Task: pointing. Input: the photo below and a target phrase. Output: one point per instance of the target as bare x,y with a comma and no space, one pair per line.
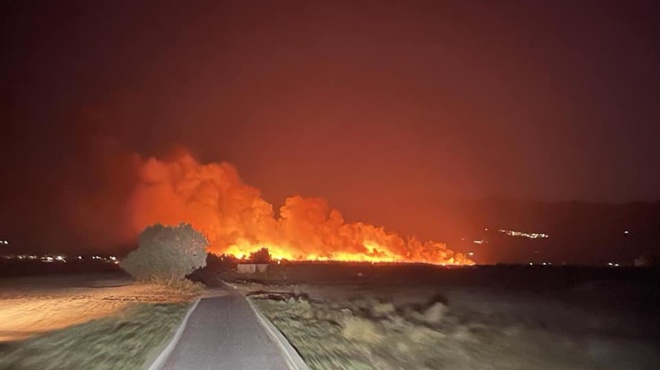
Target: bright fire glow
238,222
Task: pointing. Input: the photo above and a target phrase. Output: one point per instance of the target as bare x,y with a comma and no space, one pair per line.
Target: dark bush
260,256
166,253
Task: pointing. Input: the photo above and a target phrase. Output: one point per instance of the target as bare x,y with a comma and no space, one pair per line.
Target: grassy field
365,317
102,321
128,340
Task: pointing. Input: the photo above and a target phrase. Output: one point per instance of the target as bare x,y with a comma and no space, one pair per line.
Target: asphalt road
223,333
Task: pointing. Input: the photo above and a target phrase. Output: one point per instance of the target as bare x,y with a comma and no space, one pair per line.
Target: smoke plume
213,198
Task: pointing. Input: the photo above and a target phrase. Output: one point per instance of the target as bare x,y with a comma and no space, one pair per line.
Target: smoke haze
237,220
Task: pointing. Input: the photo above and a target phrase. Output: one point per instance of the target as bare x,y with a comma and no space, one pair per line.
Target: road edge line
291,356
159,362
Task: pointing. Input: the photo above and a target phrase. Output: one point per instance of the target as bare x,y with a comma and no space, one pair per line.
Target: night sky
385,108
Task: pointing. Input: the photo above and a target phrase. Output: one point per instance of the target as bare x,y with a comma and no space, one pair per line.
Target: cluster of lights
56,258
524,235
542,263
111,259
613,264
4,242
20,257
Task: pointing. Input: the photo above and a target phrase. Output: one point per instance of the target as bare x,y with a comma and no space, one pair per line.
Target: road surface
224,333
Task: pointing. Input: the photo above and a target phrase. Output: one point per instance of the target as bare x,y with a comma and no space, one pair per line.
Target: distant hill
579,232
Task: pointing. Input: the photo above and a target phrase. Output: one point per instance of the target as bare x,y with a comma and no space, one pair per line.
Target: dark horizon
388,111
580,233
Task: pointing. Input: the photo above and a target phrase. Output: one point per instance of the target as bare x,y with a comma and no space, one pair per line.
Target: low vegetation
364,333
428,332
93,321
129,340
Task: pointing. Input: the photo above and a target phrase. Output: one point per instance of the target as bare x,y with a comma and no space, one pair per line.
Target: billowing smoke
213,198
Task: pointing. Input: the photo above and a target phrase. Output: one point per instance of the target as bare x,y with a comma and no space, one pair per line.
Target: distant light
609,264
524,234
544,263
113,258
486,229
531,264
616,265
80,257
470,253
626,232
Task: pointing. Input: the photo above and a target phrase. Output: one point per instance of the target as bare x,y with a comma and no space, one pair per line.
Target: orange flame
237,221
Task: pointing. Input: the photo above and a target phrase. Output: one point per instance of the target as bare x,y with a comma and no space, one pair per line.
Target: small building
251,268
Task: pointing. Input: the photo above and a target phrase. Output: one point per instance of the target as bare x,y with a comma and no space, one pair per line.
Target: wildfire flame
237,221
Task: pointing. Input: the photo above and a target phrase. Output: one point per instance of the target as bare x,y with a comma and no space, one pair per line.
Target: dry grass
32,306
128,340
331,330
87,321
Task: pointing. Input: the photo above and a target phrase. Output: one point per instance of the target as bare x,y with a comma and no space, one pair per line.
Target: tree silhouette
167,253
260,256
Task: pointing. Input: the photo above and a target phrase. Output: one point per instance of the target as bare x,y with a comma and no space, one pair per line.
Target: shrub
260,256
166,253
217,263
361,330
213,262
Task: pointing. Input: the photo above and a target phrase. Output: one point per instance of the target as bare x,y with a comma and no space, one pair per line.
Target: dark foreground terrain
363,316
